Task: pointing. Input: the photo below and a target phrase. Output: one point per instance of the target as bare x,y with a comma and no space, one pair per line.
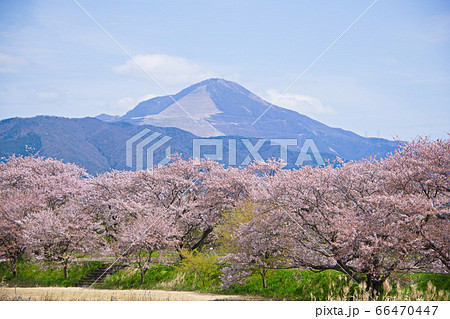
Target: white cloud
125,103
303,104
165,68
438,29
128,103
146,97
48,95
11,64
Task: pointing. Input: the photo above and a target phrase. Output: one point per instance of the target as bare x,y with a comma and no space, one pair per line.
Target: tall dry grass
345,292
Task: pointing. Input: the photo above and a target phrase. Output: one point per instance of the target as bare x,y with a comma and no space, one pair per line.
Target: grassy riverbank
281,284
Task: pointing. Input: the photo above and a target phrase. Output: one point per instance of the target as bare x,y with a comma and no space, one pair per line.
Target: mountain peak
215,81
219,83
212,81
218,107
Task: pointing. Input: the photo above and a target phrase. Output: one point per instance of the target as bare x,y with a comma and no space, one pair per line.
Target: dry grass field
84,294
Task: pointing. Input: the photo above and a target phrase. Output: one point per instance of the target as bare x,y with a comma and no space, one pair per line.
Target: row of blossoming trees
366,219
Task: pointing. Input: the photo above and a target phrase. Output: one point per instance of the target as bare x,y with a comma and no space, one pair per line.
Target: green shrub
203,268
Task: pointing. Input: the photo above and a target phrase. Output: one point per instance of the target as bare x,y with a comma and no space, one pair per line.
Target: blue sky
388,76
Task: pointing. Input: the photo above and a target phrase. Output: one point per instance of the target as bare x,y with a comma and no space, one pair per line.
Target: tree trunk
201,277
143,271
201,241
11,263
14,269
374,285
263,277
66,271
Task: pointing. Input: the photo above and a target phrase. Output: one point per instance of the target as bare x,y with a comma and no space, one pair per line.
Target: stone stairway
98,275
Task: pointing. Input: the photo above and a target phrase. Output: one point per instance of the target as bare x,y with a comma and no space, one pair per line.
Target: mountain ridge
217,107
224,112
101,146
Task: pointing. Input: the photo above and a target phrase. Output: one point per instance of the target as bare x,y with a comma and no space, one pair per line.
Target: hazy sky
389,75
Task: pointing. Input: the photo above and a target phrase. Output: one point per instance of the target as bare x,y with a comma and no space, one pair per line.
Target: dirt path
67,294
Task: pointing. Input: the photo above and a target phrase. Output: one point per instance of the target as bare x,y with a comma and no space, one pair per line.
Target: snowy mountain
217,107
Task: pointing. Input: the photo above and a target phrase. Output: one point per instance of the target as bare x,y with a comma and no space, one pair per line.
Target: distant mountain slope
88,142
217,107
99,146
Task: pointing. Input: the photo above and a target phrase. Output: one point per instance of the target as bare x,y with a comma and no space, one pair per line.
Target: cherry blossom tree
107,201
366,219
419,172
252,231
13,209
58,235
369,219
342,218
31,184
254,240
207,191
135,210
140,236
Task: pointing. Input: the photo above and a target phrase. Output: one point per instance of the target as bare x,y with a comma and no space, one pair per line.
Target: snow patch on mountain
190,113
